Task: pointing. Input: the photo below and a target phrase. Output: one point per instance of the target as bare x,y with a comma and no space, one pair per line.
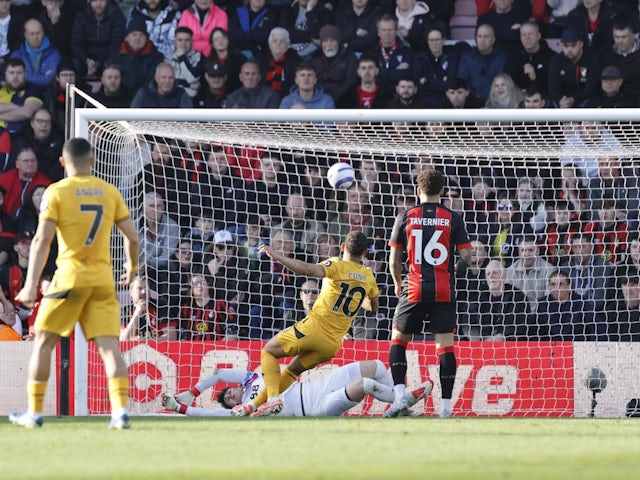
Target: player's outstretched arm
38,255
371,304
131,250
293,264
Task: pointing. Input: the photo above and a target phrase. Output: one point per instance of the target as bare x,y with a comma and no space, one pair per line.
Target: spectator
573,73
11,36
251,25
590,275
39,56
151,318
367,94
162,20
459,96
56,93
27,219
315,186
112,94
610,183
503,313
356,20
137,56
186,62
13,275
562,316
226,54
201,235
593,19
560,10
213,91
254,236
304,231
559,234
96,35
535,98
395,59
529,63
202,317
611,94
505,232
407,94
272,191
327,246
434,67
336,66
480,65
625,55
307,295
303,20
20,182
503,93
252,93
184,263
307,92
160,237
623,320
469,283
572,190
589,136
278,63
506,22
533,213
414,22
46,141
530,273
10,328
57,20
162,92
202,17
229,274
8,228
609,233
478,208
355,217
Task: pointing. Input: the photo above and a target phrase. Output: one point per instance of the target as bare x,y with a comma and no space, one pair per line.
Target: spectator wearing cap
250,27
394,58
19,182
252,93
186,62
303,20
222,51
97,33
162,92
434,66
407,94
611,94
307,93
625,54
202,17
482,63
213,91
40,57
56,94
162,20
459,96
336,66
574,73
137,56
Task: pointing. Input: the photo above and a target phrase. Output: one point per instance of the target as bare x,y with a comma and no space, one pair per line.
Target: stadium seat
464,19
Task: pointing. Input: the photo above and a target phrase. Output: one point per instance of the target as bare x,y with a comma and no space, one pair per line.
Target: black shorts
434,317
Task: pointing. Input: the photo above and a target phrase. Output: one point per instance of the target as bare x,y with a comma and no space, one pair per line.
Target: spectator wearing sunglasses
307,295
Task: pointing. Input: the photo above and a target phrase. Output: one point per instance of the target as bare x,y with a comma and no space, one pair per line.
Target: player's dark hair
77,148
431,181
220,397
356,243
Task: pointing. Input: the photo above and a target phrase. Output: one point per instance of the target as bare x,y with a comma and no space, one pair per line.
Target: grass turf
323,448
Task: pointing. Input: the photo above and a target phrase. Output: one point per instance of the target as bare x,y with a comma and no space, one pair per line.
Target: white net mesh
551,208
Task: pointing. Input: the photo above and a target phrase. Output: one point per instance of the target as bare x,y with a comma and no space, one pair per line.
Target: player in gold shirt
347,285
81,209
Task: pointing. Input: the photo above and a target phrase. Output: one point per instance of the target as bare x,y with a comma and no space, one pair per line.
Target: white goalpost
220,182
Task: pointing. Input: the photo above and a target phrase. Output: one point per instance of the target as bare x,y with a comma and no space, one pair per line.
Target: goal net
550,200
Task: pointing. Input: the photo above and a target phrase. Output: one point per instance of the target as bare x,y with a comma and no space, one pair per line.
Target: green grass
325,448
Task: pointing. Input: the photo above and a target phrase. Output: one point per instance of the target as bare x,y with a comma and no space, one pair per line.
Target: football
341,175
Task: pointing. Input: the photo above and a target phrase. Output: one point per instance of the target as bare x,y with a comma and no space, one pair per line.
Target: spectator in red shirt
609,233
20,181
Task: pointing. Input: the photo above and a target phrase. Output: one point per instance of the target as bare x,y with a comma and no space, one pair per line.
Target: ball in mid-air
341,175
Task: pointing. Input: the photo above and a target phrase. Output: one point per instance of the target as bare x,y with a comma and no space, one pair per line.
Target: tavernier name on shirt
430,222
89,192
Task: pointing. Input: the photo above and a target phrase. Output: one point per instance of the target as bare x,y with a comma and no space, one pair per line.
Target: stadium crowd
556,254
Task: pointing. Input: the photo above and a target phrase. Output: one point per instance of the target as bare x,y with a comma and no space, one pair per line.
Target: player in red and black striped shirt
429,234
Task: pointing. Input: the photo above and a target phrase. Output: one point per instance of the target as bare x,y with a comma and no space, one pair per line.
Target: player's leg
448,368
377,382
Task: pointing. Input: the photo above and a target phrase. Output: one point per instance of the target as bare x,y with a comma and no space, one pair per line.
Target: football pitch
323,448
